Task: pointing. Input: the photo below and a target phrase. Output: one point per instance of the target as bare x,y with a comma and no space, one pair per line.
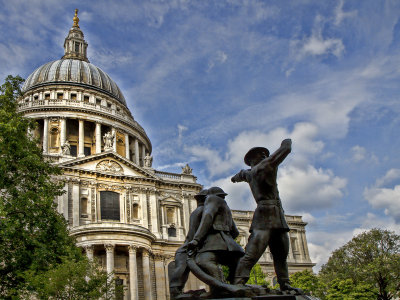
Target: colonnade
138,155
161,271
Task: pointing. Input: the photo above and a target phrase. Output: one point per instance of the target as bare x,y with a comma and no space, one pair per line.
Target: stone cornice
102,228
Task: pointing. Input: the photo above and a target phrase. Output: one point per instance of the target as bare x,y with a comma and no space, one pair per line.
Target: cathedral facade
121,211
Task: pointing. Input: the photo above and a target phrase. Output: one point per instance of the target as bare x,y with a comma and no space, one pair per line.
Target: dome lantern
75,46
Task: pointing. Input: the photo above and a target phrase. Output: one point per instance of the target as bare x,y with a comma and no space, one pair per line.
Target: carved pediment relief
109,166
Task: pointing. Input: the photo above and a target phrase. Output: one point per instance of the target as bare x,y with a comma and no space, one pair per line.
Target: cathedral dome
76,72
74,69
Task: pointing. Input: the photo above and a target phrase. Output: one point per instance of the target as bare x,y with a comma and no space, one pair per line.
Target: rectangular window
108,104
47,96
98,101
36,97
73,96
109,205
86,99
60,96
73,150
77,47
87,151
293,242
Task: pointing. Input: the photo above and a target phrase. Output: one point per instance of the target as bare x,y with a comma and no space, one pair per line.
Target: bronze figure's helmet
215,190
201,195
253,152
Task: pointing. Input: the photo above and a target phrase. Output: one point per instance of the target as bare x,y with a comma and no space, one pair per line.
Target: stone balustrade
91,107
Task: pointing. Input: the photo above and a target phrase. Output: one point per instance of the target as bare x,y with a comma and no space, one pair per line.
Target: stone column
300,245
114,133
133,280
89,252
166,262
179,224
146,275
46,135
63,133
290,255
98,138
303,244
76,212
110,257
143,153
81,143
137,161
127,156
160,277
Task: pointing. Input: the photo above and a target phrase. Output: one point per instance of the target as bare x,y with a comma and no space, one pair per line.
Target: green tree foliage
369,262
345,289
33,235
309,282
257,276
34,240
77,280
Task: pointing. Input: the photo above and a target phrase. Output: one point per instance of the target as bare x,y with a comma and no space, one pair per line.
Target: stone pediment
170,199
109,163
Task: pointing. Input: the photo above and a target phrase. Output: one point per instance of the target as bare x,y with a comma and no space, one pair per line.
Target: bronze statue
210,241
214,242
269,227
178,271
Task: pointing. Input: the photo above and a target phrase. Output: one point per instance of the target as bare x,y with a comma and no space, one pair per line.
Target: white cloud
304,146
220,58
386,198
340,15
321,244
239,195
316,44
302,186
389,177
371,220
169,166
181,130
359,153
310,188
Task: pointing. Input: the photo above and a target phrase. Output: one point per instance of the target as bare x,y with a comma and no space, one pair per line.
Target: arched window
109,206
172,231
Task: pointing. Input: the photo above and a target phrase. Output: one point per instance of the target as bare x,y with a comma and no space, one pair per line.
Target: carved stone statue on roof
187,170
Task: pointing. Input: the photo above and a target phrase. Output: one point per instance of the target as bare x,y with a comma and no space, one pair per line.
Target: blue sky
210,79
